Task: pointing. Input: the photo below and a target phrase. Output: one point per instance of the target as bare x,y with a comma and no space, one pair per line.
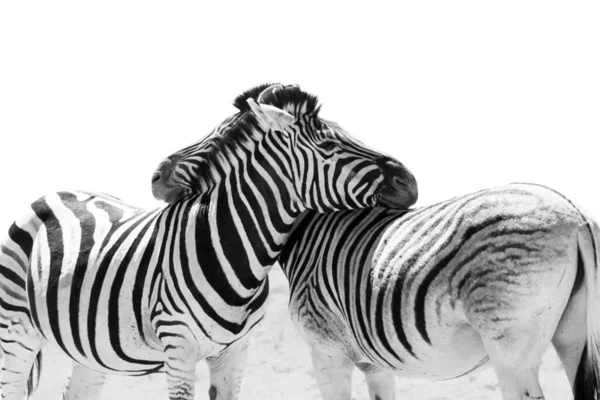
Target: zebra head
277,140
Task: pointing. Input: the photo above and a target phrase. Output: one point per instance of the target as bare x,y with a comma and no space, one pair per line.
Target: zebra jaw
162,191
171,196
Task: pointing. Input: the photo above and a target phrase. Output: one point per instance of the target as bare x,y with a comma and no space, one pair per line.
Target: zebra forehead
287,97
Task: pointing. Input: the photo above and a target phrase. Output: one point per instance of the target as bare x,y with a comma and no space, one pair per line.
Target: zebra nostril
399,182
155,177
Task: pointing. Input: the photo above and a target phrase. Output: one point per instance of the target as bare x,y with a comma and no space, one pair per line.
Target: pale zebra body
129,291
441,291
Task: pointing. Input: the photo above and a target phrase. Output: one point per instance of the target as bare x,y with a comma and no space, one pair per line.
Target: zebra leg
84,383
381,383
21,345
180,369
516,358
226,370
333,370
15,372
570,336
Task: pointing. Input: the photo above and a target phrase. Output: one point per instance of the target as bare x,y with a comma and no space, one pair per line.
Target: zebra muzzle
399,188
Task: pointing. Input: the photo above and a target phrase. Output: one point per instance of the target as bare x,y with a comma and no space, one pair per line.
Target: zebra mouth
399,195
399,188
395,202
174,196
166,193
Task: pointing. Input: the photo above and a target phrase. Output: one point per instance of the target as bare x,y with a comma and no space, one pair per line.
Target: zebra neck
248,225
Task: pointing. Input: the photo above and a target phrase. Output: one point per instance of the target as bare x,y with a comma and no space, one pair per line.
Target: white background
93,95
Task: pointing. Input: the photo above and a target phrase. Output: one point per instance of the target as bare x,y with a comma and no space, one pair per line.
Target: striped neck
251,211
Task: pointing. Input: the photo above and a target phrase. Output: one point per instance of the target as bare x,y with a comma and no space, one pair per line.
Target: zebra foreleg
333,370
226,370
21,345
516,361
15,372
84,383
381,383
180,368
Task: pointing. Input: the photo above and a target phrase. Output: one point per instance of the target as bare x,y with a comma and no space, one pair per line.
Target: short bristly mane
289,98
243,124
240,101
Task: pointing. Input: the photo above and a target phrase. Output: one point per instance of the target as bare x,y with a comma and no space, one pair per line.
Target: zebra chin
397,193
401,201
169,195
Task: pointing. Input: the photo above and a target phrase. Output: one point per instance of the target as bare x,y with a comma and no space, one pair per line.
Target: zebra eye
328,145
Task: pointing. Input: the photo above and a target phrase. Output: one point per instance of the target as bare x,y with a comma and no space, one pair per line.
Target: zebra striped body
437,292
161,274
129,291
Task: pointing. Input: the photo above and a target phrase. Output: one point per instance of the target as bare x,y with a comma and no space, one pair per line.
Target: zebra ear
270,117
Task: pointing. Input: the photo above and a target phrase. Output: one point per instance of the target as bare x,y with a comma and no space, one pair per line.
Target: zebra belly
460,352
93,345
109,363
456,349
132,356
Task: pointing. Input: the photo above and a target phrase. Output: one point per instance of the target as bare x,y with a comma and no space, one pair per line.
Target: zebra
488,278
123,290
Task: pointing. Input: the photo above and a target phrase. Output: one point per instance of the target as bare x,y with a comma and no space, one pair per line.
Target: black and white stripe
124,290
438,292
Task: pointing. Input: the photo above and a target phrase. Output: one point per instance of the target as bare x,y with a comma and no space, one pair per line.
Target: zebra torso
411,291
113,285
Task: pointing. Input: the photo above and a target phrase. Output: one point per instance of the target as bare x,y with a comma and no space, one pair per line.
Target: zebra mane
243,126
289,98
